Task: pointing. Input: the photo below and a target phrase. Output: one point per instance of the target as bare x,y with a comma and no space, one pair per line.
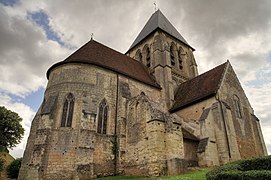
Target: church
145,113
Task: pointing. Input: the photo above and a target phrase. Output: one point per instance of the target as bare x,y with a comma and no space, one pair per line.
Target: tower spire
158,21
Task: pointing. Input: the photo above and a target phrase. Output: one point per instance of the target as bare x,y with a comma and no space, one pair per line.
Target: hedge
13,168
257,168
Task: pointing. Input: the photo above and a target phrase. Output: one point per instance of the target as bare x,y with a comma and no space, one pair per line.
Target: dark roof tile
198,88
98,54
158,21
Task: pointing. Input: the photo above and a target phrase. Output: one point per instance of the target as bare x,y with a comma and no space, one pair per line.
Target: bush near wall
257,168
13,168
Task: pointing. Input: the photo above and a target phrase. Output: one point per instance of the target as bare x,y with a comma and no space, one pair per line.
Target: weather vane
91,36
154,6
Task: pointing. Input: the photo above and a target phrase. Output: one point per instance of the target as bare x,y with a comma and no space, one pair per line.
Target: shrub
263,163
13,168
1,165
259,168
4,149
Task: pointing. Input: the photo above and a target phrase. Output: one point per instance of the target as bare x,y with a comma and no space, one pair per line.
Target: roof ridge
226,64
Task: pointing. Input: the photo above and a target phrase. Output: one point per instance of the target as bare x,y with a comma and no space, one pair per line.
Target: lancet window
172,57
237,106
138,55
102,117
148,57
67,113
180,57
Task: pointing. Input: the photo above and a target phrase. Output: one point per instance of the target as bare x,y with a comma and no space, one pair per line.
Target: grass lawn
198,174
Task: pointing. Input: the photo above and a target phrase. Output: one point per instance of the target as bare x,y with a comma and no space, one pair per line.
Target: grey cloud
25,54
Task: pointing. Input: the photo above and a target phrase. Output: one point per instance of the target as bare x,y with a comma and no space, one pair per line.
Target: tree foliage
13,168
11,130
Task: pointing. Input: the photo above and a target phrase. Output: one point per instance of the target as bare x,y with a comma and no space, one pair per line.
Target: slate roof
98,54
199,88
158,21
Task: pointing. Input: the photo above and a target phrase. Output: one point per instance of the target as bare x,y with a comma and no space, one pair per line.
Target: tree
13,168
11,131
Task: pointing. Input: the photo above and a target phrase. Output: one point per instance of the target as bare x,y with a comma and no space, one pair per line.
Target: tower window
172,57
67,114
148,58
102,117
180,58
237,106
138,55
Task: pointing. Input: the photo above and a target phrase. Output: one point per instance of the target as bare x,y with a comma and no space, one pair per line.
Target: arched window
148,57
138,55
237,106
172,57
180,57
102,117
67,113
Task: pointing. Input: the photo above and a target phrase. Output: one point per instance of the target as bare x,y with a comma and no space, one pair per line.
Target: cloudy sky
36,34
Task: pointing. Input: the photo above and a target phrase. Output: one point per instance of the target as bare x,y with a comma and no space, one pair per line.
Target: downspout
115,144
226,131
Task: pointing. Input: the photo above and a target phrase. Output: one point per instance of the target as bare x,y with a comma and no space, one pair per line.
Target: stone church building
144,113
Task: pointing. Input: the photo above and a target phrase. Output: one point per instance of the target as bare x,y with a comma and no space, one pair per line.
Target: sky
36,34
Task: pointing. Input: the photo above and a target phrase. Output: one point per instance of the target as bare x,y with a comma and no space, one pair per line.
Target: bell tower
167,55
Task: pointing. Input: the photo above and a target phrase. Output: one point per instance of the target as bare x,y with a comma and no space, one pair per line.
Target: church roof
158,21
199,88
100,55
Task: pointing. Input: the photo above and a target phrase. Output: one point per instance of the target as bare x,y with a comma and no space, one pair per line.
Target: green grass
199,174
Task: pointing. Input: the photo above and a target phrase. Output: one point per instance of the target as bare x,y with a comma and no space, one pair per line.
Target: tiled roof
98,54
198,88
158,21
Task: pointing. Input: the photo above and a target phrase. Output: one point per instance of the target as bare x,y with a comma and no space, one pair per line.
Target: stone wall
161,41
28,170
249,138
167,75
194,112
145,140
226,136
56,152
190,151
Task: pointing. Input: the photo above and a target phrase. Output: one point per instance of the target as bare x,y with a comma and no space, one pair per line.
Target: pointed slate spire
158,21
